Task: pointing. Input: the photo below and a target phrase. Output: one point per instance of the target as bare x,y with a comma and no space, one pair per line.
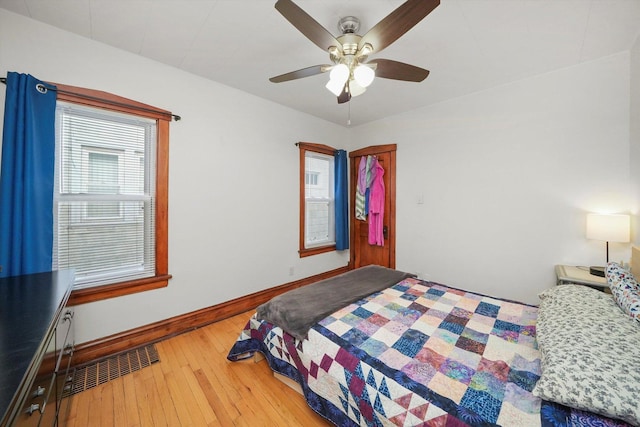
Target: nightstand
569,274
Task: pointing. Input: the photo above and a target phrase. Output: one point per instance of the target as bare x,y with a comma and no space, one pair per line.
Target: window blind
104,204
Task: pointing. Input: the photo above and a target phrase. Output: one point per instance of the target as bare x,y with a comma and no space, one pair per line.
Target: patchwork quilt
417,353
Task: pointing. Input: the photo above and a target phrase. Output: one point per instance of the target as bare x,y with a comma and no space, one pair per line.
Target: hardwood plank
95,406
72,413
119,403
130,400
181,401
198,396
181,393
142,399
153,397
195,385
106,395
214,399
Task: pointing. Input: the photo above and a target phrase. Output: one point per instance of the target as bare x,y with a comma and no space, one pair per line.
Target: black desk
30,307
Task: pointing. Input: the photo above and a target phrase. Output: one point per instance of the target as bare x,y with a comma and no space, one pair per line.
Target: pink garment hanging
376,206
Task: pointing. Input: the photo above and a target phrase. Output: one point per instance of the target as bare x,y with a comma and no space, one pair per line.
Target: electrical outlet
291,271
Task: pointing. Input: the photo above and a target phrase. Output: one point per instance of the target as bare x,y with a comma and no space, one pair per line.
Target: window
317,203
110,199
311,178
102,176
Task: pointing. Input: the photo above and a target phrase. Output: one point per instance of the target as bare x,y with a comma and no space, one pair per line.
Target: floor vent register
107,369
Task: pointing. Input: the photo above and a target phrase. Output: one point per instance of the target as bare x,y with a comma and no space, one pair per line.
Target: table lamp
608,228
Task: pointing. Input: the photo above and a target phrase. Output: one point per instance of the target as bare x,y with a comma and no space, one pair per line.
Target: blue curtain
342,201
26,176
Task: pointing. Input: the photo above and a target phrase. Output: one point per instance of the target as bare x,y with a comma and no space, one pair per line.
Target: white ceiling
468,45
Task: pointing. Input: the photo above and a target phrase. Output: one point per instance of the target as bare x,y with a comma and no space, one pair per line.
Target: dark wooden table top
29,306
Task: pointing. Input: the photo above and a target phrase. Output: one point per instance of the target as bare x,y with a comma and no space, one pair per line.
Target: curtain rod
174,116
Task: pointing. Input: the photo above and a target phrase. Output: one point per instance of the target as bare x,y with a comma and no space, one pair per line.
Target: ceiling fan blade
299,74
307,25
345,96
398,22
389,69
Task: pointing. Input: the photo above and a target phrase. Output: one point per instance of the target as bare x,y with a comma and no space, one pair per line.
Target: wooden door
362,253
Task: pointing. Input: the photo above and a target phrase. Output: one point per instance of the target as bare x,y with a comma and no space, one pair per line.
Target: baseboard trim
154,332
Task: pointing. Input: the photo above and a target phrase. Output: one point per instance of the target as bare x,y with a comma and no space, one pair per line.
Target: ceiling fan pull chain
349,117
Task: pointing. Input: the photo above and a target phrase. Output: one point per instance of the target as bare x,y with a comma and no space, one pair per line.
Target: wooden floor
195,385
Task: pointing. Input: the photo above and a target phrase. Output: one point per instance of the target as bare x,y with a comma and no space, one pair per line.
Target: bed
414,352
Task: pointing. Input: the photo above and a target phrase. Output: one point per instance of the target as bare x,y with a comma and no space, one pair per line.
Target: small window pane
319,211
103,179
102,250
311,178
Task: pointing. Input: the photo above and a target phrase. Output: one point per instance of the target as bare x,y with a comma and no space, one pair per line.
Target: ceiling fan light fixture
337,79
363,75
339,73
355,88
335,87
366,50
334,54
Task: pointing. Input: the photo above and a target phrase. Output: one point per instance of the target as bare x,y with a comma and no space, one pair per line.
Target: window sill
314,251
99,293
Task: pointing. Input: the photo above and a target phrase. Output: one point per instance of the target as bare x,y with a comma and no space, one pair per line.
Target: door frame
391,192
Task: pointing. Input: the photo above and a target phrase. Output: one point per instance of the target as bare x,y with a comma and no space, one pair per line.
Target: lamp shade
335,86
363,75
339,73
355,88
608,228
337,79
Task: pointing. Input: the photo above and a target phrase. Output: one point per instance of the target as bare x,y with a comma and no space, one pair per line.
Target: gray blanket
298,310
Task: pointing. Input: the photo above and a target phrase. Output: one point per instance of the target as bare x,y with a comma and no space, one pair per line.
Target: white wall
227,236
635,136
507,176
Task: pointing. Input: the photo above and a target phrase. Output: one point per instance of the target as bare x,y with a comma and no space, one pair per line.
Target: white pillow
590,353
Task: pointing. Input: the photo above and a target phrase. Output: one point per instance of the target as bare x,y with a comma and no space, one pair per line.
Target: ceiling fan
350,72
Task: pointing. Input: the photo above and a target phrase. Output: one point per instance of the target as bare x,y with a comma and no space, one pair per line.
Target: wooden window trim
317,148
107,101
